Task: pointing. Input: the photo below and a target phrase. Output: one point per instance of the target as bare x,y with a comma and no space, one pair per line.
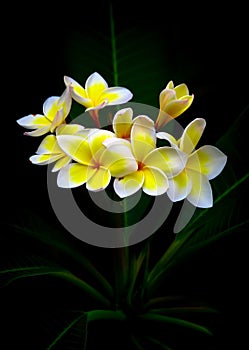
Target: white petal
76,147
118,157
192,135
179,187
116,95
129,184
44,159
168,137
143,137
99,180
69,129
77,91
122,122
61,163
38,132
168,159
49,145
208,160
50,107
95,85
72,175
201,193
155,181
32,121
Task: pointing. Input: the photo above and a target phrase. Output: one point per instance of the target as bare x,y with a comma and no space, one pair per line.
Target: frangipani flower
202,165
173,102
49,150
55,111
95,163
97,94
155,165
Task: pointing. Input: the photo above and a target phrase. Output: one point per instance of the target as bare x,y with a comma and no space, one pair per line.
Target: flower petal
38,132
166,96
95,141
143,137
179,187
72,175
181,90
69,129
208,160
32,121
118,158
201,193
116,95
76,147
49,145
168,137
65,102
177,107
129,184
122,122
50,107
95,85
100,180
155,181
61,163
77,91
44,159
192,135
170,160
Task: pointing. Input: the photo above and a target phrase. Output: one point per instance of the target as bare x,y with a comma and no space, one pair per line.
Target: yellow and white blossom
155,165
49,150
55,111
173,101
95,163
202,165
97,94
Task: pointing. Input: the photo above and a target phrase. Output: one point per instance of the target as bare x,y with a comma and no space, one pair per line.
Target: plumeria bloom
95,163
173,101
202,165
49,150
55,111
96,94
155,165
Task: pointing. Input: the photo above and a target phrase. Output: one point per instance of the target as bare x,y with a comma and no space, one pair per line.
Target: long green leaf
10,275
73,334
38,229
175,321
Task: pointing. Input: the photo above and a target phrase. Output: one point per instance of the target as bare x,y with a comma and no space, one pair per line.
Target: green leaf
10,275
38,229
70,331
154,317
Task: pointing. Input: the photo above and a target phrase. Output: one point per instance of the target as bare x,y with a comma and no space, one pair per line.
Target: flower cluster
129,153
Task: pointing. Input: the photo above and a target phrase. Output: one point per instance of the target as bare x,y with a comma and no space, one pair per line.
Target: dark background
203,46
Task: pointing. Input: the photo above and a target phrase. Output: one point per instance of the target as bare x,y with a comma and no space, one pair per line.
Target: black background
204,46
